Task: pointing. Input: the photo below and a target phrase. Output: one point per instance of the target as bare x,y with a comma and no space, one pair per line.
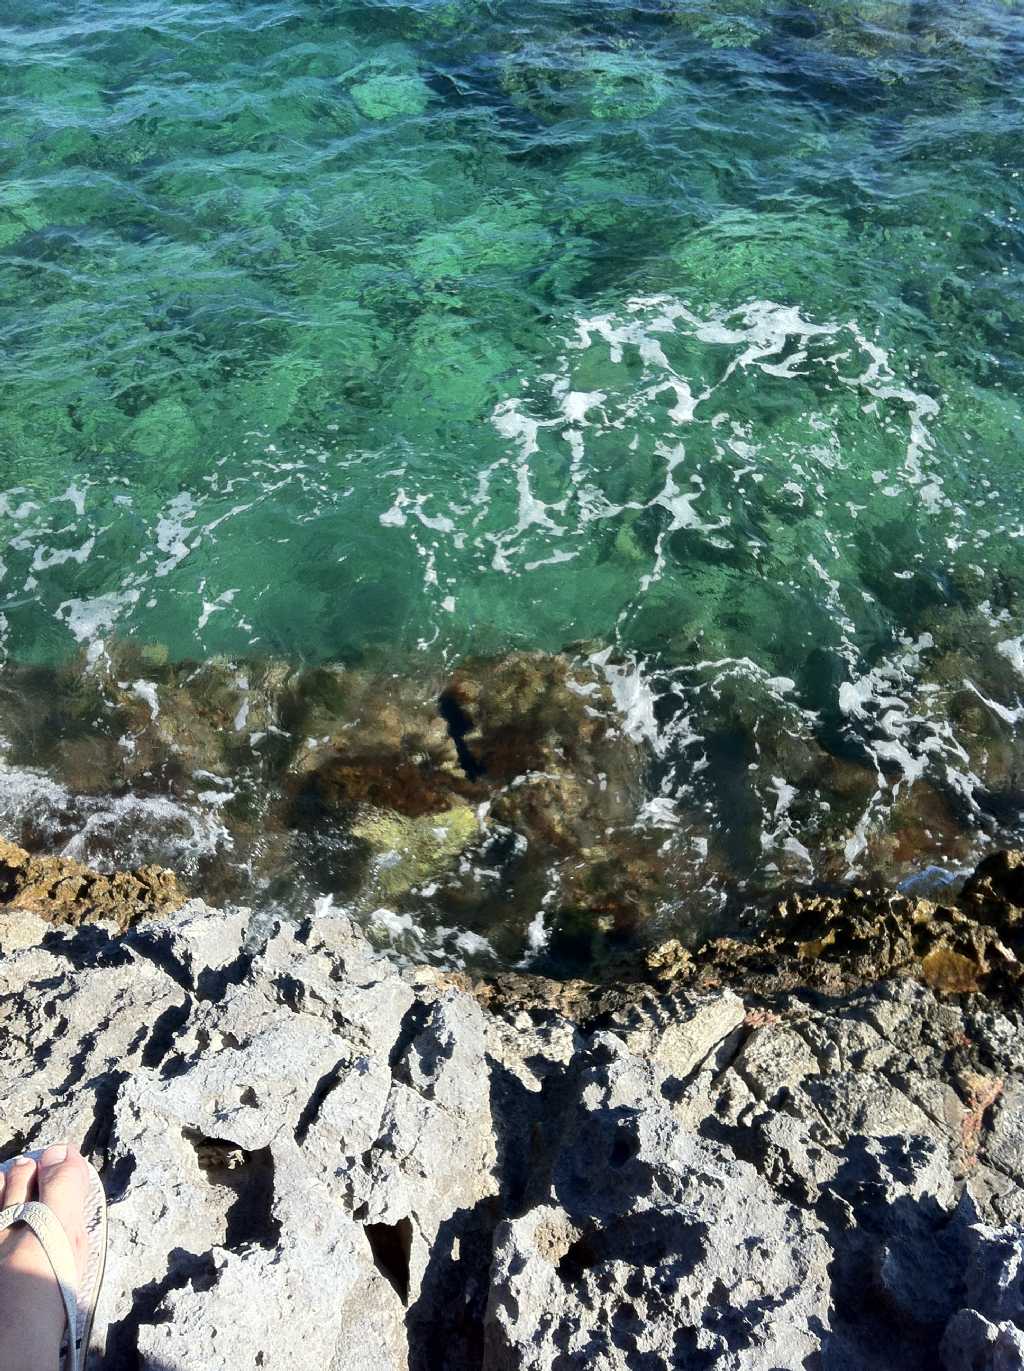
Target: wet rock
669,961
925,818
265,783
134,718
549,737
792,804
837,941
60,890
995,890
379,741
515,992
525,753
193,717
346,780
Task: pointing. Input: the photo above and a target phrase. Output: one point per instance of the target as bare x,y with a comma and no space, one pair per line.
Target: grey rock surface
317,1161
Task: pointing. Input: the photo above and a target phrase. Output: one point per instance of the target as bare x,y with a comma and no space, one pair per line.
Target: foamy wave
654,408
108,831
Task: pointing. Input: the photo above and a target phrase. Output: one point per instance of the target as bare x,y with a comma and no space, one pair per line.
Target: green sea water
690,332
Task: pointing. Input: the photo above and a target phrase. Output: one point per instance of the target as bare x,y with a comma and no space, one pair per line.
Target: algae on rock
410,851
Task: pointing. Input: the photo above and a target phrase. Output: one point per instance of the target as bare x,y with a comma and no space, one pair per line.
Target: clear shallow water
690,331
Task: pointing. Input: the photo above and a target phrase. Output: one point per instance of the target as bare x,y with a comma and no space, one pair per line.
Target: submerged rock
526,751
366,740
408,852
551,805
390,95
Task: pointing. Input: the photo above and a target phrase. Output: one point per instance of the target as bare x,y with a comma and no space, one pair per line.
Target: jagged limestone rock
836,941
719,1267
306,1147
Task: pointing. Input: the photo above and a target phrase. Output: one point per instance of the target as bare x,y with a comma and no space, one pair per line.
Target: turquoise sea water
693,331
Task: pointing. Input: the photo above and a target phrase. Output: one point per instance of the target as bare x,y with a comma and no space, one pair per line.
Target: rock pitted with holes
315,1159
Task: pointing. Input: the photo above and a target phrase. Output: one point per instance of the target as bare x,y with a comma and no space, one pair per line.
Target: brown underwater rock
367,739
836,942
63,891
531,733
545,742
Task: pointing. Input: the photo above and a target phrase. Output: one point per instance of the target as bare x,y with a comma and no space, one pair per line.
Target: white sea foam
563,470
142,829
624,470
146,691
634,696
410,941
1013,650
27,794
900,721
89,619
135,829
172,531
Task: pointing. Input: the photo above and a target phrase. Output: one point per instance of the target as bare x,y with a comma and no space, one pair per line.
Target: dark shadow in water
460,725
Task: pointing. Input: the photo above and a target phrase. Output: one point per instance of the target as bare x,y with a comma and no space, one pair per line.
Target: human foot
32,1318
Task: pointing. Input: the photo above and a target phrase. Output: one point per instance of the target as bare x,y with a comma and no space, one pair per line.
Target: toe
53,1156
20,1179
63,1178
63,1186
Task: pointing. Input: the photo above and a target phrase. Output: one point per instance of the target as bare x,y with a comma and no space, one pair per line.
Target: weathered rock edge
64,891
850,936
317,1160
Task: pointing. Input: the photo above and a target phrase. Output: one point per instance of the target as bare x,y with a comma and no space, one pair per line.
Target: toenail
53,1156
23,1161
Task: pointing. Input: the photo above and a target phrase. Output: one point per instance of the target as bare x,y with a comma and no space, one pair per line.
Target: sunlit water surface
687,334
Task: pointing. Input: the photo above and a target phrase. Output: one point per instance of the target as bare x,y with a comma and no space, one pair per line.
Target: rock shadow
445,1324
898,1270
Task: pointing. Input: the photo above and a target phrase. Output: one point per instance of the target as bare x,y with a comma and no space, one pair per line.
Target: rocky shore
757,1154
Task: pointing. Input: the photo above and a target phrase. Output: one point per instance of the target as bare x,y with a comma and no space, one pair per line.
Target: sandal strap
44,1223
